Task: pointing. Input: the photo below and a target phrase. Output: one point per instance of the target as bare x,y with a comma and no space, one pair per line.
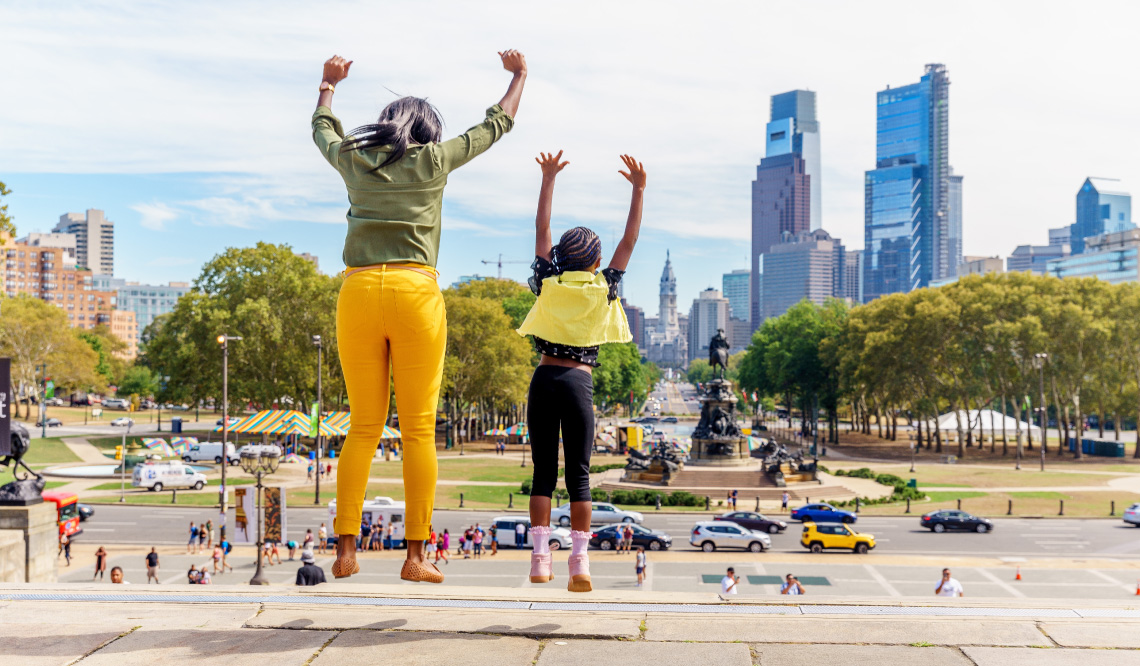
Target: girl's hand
513,61
636,173
336,69
550,165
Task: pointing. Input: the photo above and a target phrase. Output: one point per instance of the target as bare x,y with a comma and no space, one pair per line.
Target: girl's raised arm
636,177
550,168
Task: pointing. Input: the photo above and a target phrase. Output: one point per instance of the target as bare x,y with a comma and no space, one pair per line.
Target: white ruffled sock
579,542
540,537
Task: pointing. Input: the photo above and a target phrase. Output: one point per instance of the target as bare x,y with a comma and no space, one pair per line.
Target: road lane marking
1100,574
882,580
1000,583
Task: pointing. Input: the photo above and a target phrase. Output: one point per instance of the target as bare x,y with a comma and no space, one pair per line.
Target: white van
211,452
156,476
505,530
384,509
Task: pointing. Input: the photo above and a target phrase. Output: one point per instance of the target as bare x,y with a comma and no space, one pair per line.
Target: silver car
708,535
603,513
505,532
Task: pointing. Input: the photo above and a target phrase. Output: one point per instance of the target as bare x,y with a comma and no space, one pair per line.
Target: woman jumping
390,311
576,311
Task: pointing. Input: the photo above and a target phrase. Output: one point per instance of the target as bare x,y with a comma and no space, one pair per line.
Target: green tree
7,224
139,380
620,376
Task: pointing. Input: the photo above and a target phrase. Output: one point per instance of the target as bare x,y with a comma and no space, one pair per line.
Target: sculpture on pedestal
26,489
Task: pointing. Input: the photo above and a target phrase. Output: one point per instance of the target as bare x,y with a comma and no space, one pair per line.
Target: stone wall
12,556
41,538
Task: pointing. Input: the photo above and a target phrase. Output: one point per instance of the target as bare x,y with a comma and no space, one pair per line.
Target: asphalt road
1011,538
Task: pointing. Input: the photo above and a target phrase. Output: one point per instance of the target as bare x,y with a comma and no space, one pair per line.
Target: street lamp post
43,401
165,379
1039,361
260,464
123,466
224,341
317,476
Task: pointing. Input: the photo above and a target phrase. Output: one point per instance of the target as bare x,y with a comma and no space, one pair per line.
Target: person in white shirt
791,586
728,583
948,586
323,536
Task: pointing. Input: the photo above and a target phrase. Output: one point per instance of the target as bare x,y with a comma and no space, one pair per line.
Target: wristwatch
325,85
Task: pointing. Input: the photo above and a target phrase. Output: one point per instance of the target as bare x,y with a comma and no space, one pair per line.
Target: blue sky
189,123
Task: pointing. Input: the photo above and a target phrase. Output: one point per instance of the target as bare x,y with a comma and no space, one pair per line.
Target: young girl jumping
577,311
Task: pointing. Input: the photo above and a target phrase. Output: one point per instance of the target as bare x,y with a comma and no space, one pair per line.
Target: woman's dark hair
407,120
578,250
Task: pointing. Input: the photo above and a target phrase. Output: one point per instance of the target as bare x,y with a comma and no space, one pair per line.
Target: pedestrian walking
728,583
117,576
307,544
309,477
388,536
152,565
323,535
64,548
640,565
494,534
520,535
364,536
226,548
202,534
784,497
100,563
576,309
627,537
949,586
309,574
734,496
430,546
468,543
792,586
209,534
329,470
444,543
193,542
273,552
292,546
478,544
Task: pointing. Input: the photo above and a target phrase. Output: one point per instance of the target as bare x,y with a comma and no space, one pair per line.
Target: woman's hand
636,173
550,165
336,69
513,61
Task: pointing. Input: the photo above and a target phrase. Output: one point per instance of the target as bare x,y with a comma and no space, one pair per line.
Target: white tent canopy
983,422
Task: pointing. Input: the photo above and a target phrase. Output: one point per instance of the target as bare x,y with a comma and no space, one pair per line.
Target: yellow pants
388,317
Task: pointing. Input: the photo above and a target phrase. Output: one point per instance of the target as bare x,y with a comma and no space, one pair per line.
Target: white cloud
154,216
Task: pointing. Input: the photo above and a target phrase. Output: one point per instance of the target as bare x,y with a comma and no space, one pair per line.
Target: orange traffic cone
1138,588
1018,576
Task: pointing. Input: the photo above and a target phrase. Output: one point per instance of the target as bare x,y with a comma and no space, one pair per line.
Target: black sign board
5,406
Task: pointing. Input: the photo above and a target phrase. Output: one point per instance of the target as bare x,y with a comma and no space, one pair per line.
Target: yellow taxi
816,538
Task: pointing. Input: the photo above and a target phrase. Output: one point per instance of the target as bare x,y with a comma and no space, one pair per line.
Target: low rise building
1111,257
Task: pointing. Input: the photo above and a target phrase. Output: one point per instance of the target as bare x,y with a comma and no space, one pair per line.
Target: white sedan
603,513
123,421
1132,515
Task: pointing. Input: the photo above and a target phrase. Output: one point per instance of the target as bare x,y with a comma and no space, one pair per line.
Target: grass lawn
144,497
211,482
464,469
958,476
1085,504
50,451
54,484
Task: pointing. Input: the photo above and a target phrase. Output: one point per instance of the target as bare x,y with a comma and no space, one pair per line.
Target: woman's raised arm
550,168
515,63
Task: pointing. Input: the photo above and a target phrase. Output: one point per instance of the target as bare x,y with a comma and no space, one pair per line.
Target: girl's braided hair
578,250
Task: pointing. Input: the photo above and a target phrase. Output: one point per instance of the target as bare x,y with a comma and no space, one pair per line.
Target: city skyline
240,168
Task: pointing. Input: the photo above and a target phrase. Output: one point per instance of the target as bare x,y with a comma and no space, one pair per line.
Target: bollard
657,501
510,500
1112,512
708,502
609,497
757,504
174,496
908,505
460,500
856,505
1009,512
1062,511
959,505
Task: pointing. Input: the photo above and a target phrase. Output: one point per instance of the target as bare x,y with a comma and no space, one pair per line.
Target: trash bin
913,483
176,425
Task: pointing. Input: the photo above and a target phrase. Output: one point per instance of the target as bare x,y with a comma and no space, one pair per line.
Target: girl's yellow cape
574,309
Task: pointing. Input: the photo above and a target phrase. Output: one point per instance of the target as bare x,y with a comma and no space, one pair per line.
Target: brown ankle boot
345,564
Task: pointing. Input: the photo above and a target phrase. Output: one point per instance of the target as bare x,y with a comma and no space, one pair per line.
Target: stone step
797,494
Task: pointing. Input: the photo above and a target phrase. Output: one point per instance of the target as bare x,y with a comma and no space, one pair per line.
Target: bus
66,511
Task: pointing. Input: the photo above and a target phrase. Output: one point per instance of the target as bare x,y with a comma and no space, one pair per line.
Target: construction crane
500,261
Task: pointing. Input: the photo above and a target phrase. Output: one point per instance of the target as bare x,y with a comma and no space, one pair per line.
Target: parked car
669,419
1132,515
949,519
156,476
603,513
257,449
754,521
54,402
123,421
608,537
211,451
708,535
85,512
505,526
233,420
649,419
115,403
822,513
817,538
51,423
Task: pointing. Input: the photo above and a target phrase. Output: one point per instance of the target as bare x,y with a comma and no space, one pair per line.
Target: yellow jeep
838,535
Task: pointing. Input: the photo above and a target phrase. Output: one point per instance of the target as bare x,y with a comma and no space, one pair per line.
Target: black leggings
561,399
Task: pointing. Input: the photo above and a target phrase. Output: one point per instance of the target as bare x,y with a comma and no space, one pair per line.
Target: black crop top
587,355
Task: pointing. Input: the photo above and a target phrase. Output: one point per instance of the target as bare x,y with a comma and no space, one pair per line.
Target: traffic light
118,452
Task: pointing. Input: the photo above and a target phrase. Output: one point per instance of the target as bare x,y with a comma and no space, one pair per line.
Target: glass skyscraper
1104,206
912,200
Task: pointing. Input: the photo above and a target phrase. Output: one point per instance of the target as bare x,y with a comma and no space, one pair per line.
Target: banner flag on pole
314,420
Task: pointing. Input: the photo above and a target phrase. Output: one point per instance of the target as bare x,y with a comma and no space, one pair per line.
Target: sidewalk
354,624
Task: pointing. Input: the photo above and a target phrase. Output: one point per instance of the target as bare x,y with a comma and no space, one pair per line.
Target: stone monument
717,440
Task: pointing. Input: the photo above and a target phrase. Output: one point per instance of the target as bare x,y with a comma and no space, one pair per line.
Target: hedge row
631,497
901,492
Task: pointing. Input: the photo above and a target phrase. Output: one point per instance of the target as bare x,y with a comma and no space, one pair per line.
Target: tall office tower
636,318
710,312
910,238
810,266
852,290
1104,206
94,239
786,192
735,286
